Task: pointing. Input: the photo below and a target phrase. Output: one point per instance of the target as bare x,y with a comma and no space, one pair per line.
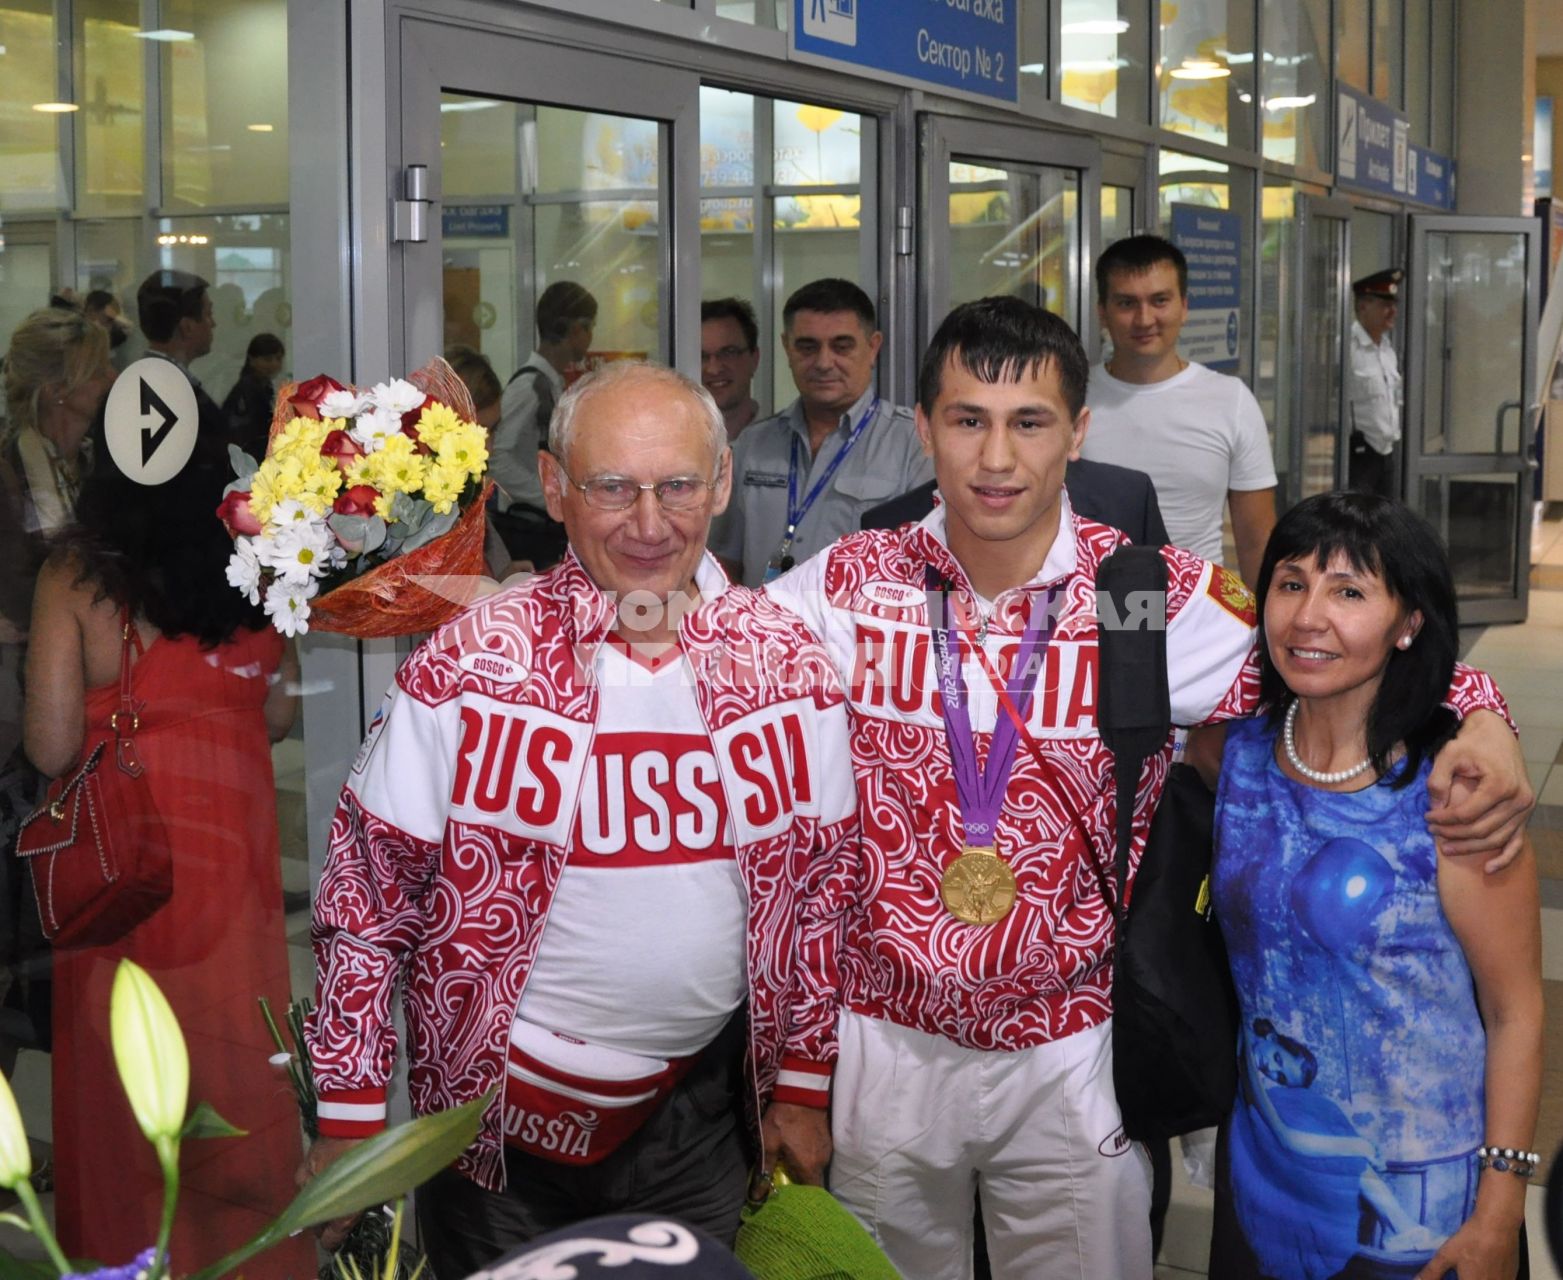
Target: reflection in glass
1473,371
581,201
759,13
1388,45
30,176
1475,515
1015,231
1319,379
110,127
1186,179
1206,75
816,146
1276,374
1103,57
1117,213
225,117
1351,42
1294,82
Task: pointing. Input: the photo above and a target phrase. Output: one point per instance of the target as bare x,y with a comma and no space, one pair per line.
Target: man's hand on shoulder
798,1137
1480,792
322,1153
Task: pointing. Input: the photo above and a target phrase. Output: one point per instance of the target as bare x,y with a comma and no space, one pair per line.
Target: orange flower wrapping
388,600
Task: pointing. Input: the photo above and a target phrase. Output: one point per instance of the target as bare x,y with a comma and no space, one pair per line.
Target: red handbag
97,849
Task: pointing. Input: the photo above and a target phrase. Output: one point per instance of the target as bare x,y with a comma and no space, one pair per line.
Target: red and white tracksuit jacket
453,827
1044,971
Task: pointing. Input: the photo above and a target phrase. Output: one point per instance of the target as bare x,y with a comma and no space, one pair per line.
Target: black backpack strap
1133,707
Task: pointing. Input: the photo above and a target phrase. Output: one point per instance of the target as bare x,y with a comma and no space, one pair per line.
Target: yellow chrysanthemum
382,506
303,437
464,448
443,485
399,467
276,480
435,423
319,483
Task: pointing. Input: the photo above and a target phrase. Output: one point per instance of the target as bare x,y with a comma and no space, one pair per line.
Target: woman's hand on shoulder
1482,1249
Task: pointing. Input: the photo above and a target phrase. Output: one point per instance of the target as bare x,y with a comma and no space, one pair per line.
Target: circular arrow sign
150,421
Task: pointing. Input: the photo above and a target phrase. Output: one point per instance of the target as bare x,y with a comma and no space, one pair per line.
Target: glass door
542,164
1470,357
1008,211
1319,422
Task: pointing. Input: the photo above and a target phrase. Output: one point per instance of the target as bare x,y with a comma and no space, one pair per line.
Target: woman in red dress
217,687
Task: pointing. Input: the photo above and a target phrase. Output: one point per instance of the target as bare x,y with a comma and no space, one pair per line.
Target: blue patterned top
1361,1054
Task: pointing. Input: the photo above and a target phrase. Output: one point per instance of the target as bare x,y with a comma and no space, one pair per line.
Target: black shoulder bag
1174,1008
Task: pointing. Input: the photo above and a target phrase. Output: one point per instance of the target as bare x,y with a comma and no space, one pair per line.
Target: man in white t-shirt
1200,435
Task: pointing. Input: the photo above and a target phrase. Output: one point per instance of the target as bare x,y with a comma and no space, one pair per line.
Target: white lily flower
396,396
149,1050
372,427
288,607
244,569
342,404
16,1160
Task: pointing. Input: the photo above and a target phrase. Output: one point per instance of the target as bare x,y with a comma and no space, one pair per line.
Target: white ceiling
1549,28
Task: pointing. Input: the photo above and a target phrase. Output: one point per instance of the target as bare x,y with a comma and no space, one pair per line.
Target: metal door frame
1310,210
941,138
1418,466
435,57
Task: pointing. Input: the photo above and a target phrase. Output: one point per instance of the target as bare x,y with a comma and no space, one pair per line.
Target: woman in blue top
1391,999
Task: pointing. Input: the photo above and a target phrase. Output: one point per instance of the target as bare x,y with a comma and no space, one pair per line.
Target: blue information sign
1212,241
1429,178
486,220
1372,142
969,46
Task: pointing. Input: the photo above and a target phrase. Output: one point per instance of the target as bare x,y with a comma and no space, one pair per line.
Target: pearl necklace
1289,742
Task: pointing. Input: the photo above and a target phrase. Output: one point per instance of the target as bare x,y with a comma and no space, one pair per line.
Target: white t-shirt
644,948
1196,434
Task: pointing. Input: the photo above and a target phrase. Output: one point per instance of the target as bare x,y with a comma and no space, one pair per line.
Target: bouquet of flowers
360,495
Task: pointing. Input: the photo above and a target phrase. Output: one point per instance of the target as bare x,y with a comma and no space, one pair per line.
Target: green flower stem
29,1198
168,1157
271,1025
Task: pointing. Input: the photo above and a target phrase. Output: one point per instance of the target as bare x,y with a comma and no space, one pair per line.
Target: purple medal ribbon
980,794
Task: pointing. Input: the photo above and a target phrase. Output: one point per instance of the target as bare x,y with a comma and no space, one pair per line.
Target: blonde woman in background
57,373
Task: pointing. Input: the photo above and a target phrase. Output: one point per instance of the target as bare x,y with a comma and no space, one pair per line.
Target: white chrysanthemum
288,607
342,404
289,511
372,428
244,569
396,396
298,553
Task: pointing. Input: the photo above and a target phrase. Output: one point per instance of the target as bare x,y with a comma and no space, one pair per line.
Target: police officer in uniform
1375,383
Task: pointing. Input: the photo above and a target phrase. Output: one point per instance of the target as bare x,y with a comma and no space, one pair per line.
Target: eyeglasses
618,493
724,354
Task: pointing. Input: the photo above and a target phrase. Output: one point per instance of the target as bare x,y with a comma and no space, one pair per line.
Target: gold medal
978,887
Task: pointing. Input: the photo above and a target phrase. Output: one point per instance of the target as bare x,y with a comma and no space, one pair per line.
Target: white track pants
920,1122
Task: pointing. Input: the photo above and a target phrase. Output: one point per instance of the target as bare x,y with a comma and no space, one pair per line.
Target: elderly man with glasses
587,831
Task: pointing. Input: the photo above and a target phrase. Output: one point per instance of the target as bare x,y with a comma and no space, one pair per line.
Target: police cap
1381,284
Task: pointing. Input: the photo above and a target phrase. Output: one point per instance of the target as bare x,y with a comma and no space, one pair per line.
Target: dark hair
474,369
164,299
737,310
1004,339
561,305
1265,1030
98,300
1137,255
263,345
831,294
160,549
1383,538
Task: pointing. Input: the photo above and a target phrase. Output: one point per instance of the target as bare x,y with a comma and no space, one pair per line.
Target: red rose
410,423
341,448
357,501
307,396
234,511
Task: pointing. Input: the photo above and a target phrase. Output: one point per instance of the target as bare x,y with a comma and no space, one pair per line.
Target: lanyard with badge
979,887
782,561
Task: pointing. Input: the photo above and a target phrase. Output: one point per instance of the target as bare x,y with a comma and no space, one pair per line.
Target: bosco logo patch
493,666
897,595
1115,1143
